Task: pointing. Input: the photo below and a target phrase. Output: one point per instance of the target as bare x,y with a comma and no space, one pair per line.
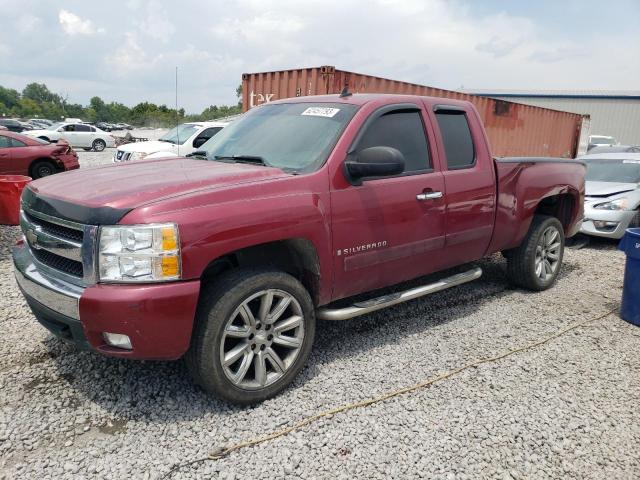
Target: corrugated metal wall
513,129
619,118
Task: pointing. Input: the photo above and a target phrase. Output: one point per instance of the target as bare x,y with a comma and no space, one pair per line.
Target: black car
12,125
104,126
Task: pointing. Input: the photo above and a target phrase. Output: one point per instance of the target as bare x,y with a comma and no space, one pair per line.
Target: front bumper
158,318
621,218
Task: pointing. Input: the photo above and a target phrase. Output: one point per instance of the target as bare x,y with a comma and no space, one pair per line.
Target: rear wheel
42,168
98,145
535,264
253,335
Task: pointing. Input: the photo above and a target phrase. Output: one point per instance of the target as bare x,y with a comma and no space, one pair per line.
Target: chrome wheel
262,339
547,258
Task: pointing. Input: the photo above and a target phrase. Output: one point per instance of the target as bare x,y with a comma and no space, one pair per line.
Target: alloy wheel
262,339
547,258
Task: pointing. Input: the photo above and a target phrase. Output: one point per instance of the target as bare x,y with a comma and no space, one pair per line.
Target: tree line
37,101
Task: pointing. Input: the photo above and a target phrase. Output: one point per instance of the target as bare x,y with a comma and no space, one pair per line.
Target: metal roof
591,94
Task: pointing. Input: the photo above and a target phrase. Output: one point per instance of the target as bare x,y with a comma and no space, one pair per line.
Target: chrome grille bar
39,238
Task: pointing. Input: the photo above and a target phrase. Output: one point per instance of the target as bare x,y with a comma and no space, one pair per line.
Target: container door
389,229
470,183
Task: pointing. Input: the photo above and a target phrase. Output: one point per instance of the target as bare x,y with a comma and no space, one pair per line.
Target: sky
127,51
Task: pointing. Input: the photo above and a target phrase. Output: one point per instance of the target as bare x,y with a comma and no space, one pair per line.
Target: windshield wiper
165,140
197,154
242,159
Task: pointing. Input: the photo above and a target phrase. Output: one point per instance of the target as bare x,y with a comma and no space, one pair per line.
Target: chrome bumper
58,295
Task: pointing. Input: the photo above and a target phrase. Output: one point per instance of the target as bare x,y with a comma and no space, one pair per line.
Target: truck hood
131,185
606,189
151,146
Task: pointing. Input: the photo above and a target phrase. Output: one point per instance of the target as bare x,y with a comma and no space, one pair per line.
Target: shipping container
514,129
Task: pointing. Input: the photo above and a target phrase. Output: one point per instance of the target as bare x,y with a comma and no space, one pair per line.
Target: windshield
295,137
603,140
179,134
617,171
56,126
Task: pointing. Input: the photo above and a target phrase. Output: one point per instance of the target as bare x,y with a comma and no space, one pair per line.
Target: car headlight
137,156
620,204
139,253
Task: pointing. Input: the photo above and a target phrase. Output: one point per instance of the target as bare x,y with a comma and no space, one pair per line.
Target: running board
362,308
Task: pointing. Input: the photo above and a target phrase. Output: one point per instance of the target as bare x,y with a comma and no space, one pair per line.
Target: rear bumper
158,318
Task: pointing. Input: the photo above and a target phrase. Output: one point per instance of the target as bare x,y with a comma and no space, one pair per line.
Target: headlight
139,253
137,156
620,204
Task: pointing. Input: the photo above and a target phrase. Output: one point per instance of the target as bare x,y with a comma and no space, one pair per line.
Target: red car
22,155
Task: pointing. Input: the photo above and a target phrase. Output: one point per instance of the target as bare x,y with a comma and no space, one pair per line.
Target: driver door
390,229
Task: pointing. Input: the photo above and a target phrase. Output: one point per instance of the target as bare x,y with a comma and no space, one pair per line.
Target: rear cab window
456,137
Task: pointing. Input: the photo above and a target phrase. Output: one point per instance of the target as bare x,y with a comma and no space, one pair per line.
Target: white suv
179,141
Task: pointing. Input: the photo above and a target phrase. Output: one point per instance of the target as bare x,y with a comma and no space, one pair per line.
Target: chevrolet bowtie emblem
32,238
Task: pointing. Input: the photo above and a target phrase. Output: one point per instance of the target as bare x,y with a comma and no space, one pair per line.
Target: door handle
428,196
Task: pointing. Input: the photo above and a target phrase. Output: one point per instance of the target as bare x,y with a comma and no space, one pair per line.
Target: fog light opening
117,340
604,225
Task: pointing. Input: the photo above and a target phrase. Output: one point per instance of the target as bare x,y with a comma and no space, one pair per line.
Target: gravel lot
566,409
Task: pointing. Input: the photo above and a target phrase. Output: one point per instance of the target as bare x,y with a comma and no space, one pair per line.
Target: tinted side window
69,128
5,142
456,135
404,131
17,143
82,128
209,132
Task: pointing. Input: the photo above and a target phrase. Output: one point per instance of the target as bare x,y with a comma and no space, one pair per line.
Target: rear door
389,229
21,156
83,135
6,161
469,180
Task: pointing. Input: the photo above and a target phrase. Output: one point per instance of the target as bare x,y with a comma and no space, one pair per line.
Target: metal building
614,113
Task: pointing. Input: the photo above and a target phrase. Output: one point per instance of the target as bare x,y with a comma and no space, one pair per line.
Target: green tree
39,93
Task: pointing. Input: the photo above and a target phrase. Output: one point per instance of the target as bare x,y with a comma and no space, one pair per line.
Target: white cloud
155,22
72,24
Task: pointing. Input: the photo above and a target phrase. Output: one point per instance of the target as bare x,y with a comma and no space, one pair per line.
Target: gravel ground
566,409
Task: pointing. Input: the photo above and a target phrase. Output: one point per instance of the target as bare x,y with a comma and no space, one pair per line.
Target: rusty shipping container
514,129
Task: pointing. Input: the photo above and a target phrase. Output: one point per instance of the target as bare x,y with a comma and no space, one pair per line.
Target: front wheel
98,145
535,264
254,332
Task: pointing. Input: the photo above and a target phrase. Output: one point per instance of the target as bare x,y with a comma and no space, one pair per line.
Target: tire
87,149
535,264
635,221
42,168
230,323
98,145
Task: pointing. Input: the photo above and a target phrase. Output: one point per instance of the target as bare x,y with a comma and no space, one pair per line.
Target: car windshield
603,140
616,171
295,137
56,126
179,134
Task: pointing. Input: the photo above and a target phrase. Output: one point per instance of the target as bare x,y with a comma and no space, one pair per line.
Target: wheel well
43,159
559,206
296,256
44,138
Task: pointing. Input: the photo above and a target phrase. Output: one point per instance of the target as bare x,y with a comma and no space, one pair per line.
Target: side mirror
374,162
199,141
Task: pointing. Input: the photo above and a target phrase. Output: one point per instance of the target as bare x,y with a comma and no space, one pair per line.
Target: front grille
65,265
55,229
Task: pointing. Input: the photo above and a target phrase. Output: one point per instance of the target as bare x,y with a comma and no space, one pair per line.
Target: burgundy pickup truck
228,257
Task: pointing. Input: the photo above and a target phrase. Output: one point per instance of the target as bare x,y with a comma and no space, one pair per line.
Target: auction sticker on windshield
321,111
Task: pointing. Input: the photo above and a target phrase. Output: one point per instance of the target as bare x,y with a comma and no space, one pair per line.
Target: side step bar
362,308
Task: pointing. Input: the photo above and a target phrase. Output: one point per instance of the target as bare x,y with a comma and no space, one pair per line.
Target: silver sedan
612,196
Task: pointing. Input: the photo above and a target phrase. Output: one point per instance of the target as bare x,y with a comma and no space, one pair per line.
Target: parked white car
76,134
179,141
